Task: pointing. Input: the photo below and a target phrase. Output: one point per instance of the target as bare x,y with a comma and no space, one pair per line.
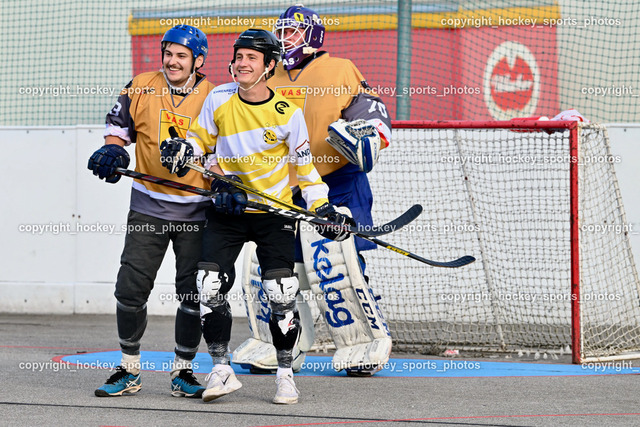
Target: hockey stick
412,213
460,262
389,227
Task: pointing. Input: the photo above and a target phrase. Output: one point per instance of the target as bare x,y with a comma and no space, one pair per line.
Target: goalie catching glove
174,155
106,159
230,200
337,232
358,141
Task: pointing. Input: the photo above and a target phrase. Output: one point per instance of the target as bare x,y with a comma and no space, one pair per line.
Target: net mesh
477,60
503,197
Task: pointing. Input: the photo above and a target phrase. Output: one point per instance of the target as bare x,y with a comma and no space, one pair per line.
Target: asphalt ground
40,388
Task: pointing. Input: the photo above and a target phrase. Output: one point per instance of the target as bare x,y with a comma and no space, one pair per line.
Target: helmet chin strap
233,76
175,88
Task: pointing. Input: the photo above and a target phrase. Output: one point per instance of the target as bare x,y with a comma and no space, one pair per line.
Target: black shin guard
132,322
216,328
285,330
187,331
216,325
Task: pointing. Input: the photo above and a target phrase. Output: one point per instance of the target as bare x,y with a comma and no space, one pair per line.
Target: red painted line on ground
93,350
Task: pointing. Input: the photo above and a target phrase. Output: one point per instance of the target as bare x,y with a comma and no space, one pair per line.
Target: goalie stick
460,262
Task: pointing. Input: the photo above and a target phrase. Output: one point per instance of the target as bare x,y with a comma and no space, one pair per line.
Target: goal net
540,210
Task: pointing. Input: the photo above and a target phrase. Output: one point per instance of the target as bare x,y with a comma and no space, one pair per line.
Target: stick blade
460,262
412,213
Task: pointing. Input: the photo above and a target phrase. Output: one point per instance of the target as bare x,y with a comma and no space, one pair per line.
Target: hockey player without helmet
306,24
262,41
188,36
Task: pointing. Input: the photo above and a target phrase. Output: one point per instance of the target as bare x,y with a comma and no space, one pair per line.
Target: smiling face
177,61
248,66
290,37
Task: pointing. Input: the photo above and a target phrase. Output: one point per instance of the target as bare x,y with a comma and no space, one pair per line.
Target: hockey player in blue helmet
146,108
192,38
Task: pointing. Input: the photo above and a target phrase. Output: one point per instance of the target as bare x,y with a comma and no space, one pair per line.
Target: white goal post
537,204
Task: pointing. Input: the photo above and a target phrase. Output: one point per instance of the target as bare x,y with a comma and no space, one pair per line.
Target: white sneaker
222,380
287,393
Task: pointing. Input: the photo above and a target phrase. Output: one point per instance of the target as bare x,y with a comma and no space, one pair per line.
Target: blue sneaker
122,382
186,385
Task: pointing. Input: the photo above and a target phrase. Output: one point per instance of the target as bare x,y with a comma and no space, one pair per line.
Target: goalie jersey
257,142
145,111
328,89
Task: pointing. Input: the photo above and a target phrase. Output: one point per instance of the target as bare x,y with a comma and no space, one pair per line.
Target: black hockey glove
106,159
174,155
230,200
338,233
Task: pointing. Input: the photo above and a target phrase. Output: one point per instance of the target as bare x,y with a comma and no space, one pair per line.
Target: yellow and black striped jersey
257,142
145,111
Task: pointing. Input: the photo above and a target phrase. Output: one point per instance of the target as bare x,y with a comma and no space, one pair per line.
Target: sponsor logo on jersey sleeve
304,151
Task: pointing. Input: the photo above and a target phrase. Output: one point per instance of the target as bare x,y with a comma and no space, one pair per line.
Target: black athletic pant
223,239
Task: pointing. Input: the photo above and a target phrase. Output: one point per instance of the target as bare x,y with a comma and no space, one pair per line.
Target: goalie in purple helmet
347,131
299,22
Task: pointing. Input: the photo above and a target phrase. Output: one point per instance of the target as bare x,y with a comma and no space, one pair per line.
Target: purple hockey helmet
305,24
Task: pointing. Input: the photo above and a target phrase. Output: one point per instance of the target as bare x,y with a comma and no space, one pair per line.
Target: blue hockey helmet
305,23
188,36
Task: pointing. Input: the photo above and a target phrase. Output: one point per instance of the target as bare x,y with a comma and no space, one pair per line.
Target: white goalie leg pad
258,351
350,309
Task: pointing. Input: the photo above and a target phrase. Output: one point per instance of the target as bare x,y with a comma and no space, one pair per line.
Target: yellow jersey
257,142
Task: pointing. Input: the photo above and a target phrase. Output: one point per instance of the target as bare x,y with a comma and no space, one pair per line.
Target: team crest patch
269,136
169,119
295,94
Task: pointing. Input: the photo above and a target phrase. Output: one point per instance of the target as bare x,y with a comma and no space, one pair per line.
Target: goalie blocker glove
358,141
230,200
337,232
174,155
106,159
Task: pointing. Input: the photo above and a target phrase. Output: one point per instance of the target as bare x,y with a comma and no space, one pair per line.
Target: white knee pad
281,287
209,283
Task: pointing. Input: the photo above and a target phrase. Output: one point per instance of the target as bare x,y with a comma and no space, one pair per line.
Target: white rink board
70,265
